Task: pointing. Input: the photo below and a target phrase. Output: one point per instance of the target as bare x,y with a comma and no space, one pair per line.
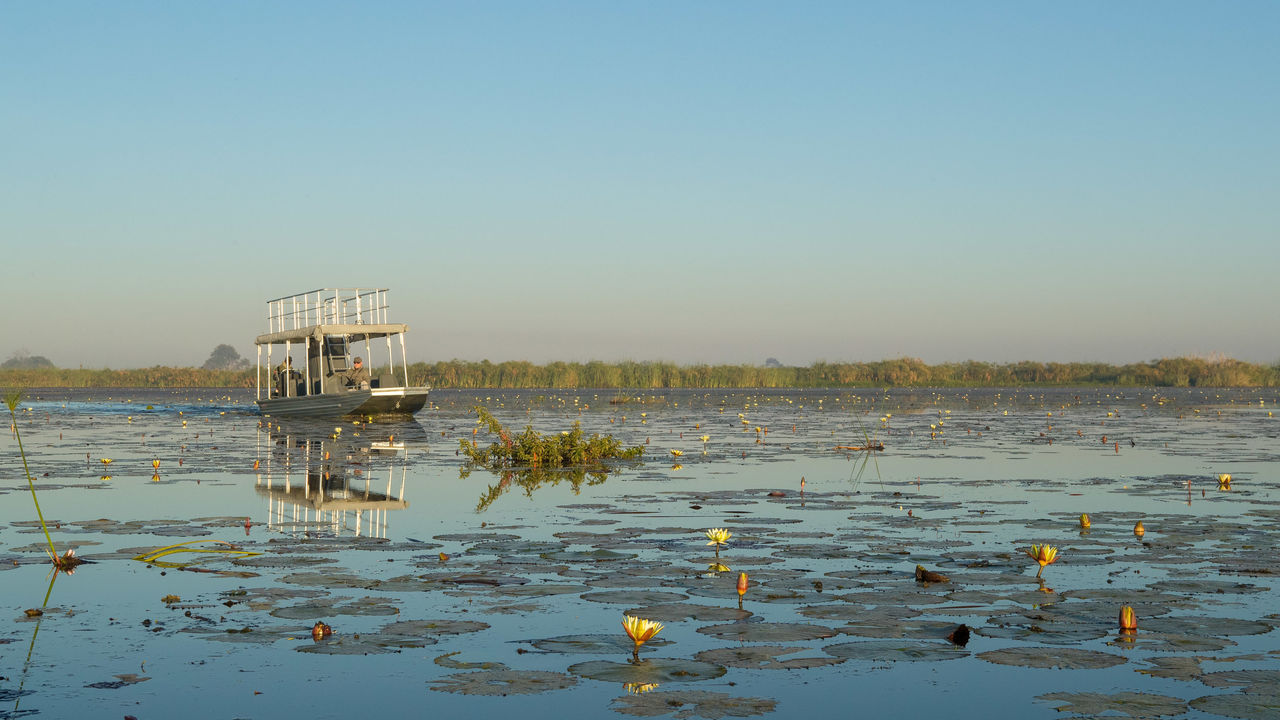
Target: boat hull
377,403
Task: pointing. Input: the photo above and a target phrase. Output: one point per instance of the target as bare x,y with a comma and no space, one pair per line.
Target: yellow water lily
1084,521
1224,481
105,461
640,630
1139,530
636,688
155,464
718,537
676,453
1043,554
718,568
705,439
742,586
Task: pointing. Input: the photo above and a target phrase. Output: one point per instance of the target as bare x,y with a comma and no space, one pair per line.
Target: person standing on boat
357,376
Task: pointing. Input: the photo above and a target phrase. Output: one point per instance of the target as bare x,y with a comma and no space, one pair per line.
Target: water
967,481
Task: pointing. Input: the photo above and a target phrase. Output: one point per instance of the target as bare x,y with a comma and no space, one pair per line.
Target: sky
707,182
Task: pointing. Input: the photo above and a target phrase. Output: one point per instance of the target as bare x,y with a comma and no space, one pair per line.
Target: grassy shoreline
901,372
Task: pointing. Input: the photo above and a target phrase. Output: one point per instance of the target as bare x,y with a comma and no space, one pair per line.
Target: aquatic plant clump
531,449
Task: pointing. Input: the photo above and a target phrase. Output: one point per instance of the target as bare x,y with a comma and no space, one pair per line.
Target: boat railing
328,306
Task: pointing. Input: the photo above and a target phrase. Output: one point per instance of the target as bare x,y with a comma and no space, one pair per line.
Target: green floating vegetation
531,460
531,449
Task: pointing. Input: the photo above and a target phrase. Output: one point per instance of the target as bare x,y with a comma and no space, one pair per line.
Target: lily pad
912,628
764,657
896,650
1211,587
346,645
768,632
600,644
816,552
446,660
119,682
590,556
477,537
634,597
487,579
1253,681
333,579
1052,657
330,606
670,612
1247,706
539,590
1133,704
520,547
282,561
895,598
651,670
504,682
693,704
433,627
1169,642
1206,625
1178,667
247,635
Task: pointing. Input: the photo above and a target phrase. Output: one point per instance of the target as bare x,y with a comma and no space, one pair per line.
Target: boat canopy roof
355,331
358,313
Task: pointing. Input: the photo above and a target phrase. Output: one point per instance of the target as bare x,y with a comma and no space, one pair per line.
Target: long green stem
12,401
31,648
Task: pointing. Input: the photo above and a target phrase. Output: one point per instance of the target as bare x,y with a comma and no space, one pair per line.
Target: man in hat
357,376
287,378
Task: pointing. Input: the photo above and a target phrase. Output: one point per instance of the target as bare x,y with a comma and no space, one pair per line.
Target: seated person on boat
357,377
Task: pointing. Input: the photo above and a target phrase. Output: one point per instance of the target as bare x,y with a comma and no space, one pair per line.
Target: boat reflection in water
331,484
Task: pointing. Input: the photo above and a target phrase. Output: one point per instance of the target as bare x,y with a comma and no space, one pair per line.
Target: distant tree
23,360
772,363
224,357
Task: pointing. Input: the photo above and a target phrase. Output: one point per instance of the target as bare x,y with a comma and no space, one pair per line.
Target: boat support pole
306,346
391,360
403,362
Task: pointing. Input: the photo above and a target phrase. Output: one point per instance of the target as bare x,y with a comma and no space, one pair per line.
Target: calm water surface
349,522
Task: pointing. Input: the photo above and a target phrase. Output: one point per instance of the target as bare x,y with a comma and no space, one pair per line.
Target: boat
319,334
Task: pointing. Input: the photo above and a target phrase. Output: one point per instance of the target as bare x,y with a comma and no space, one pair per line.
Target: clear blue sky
690,182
